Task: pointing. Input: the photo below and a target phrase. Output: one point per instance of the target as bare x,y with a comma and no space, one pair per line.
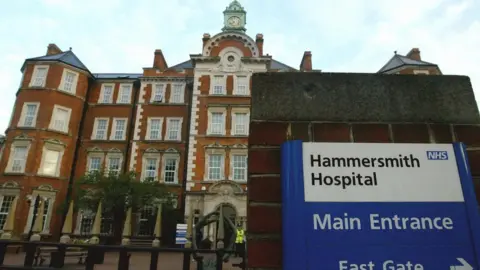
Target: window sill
74,94
171,184
110,104
58,131
117,140
14,173
25,127
49,176
161,141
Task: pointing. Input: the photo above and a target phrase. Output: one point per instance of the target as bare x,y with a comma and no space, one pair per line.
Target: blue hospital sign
368,206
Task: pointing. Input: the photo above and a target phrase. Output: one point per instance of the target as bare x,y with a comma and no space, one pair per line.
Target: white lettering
345,265
337,223
391,265
410,223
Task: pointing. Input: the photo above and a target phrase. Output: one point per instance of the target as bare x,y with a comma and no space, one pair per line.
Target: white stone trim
54,147
421,71
133,157
248,41
18,143
121,88
21,121
138,123
95,126
35,75
114,129
101,97
61,87
223,111
180,125
149,128
66,126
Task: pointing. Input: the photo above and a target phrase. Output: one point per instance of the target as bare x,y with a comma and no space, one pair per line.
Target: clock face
234,21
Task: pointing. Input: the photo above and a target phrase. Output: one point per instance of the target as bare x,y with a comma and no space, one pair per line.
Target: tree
118,192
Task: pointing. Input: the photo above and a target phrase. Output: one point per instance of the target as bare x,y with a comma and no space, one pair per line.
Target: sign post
368,206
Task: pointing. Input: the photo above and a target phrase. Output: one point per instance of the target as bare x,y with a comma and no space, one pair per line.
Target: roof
363,97
67,57
399,60
117,75
274,65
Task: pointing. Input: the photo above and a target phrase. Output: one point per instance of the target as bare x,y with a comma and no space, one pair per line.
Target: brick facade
264,185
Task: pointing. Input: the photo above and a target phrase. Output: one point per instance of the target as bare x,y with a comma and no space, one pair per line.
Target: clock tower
234,17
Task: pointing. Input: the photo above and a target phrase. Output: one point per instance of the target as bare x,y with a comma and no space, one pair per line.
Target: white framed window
28,117
69,81
241,85
240,121
6,202
51,163
106,94
150,163
216,166
174,129
421,72
238,166
60,118
216,121
94,162
47,195
119,129
39,76
114,163
177,93
170,168
218,85
158,93
100,129
154,128
125,94
18,157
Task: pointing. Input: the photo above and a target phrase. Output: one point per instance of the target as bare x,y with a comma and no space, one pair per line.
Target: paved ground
138,261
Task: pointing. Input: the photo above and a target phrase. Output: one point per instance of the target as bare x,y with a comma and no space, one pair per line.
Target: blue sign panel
366,206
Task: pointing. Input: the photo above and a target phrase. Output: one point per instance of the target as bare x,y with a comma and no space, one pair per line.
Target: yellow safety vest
239,238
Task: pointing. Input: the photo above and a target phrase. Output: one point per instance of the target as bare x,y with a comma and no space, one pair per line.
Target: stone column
67,225
38,225
97,225
127,228
158,227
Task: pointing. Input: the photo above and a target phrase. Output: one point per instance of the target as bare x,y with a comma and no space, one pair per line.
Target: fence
95,254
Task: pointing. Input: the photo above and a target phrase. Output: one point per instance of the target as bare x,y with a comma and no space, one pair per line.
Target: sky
343,35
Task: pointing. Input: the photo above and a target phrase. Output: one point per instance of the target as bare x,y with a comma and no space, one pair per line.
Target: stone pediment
225,188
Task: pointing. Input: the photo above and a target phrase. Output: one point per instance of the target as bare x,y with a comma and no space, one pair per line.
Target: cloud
343,35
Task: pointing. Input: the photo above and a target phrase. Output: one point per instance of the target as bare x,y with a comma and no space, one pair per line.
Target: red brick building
186,125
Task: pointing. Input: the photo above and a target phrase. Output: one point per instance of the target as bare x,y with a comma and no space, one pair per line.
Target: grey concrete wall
362,97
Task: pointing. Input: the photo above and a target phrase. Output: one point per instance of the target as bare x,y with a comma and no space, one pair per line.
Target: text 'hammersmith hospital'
357,179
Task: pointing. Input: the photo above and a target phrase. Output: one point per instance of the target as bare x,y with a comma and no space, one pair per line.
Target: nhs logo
437,155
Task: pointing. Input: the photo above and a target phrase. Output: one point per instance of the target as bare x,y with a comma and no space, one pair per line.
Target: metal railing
95,254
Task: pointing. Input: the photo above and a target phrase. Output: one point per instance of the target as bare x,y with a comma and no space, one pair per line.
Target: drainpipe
185,162
128,150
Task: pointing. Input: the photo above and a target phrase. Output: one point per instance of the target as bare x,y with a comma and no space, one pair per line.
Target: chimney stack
205,39
53,49
259,41
159,61
414,54
306,64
